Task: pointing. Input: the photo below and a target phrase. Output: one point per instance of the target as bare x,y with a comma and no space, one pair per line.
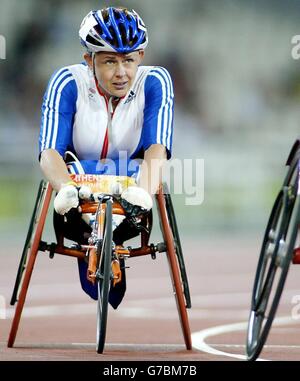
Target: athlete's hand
66,199
136,201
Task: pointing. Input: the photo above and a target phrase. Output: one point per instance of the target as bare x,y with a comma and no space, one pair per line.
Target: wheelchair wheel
28,241
178,248
174,267
274,261
103,276
31,246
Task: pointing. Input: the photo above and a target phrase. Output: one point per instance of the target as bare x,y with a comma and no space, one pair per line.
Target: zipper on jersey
110,114
108,133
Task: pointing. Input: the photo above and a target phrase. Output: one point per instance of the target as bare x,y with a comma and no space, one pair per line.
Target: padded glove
66,199
136,201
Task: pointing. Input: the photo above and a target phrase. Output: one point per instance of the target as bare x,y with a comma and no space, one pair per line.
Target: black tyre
274,261
33,222
178,248
103,277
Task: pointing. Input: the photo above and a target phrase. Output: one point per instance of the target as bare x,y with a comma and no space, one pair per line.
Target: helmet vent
98,29
93,41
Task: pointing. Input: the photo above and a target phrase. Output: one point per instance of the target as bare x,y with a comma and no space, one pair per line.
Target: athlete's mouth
120,84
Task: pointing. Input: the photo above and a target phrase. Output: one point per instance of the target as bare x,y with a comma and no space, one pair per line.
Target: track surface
59,320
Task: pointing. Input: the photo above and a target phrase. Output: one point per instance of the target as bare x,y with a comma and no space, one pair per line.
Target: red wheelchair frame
171,246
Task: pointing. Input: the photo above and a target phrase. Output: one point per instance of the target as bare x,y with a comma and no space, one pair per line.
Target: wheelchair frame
171,246
277,253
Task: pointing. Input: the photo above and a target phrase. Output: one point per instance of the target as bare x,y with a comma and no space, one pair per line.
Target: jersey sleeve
58,110
159,110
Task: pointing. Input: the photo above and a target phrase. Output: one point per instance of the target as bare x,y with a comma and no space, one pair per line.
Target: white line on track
270,346
199,338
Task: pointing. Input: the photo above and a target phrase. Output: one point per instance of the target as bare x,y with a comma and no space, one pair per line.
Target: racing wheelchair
280,248
101,253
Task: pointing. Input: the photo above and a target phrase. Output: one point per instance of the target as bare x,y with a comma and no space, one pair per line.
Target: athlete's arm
54,168
158,127
151,168
58,109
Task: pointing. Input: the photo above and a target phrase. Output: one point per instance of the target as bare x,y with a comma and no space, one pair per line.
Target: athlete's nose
120,70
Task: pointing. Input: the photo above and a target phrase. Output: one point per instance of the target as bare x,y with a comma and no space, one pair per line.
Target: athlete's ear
141,55
88,59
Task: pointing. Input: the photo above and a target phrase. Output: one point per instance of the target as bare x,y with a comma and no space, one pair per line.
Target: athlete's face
116,72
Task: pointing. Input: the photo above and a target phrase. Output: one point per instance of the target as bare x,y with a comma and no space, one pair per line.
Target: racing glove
136,201
66,199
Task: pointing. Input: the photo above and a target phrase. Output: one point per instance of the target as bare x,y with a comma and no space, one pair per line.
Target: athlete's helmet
113,30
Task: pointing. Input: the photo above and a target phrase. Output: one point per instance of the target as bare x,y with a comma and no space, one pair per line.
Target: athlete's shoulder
159,69
60,79
62,85
153,77
79,70
148,70
69,73
72,69
68,80
159,79
155,71
160,72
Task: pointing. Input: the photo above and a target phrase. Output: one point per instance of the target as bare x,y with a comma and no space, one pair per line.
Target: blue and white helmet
113,30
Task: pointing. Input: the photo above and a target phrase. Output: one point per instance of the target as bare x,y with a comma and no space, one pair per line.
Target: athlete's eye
129,60
109,62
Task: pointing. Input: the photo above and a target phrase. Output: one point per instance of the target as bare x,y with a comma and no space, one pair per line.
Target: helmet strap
93,62
94,72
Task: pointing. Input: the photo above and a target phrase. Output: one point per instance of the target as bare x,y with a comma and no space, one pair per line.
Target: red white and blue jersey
76,116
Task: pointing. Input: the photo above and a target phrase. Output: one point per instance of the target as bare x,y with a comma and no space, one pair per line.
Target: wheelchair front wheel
103,276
